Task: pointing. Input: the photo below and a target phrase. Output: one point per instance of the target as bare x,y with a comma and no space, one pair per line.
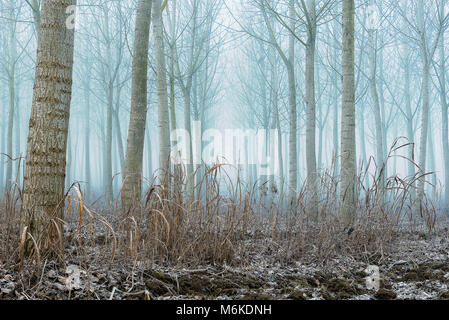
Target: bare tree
43,190
136,131
162,93
348,163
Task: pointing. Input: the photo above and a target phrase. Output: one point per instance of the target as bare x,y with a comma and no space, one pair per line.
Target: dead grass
225,222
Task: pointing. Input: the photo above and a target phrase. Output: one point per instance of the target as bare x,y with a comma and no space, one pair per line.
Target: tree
136,131
441,76
372,77
423,31
43,186
34,5
288,59
311,14
348,162
162,94
427,53
11,71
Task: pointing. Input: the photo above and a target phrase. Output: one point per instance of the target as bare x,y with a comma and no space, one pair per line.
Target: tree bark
348,163
132,183
43,191
380,158
87,170
410,129
162,94
292,140
444,122
312,204
425,106
12,96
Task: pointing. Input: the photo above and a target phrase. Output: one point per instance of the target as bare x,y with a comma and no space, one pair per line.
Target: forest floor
415,267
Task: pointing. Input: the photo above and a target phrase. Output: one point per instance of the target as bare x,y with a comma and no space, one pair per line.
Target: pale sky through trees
238,74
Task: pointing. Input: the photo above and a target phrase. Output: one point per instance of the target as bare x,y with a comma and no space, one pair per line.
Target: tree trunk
108,136
36,15
348,163
312,204
277,122
362,152
132,185
118,130
43,191
410,130
293,161
380,158
384,128
87,170
17,132
431,155
424,131
188,128
12,96
162,94
444,123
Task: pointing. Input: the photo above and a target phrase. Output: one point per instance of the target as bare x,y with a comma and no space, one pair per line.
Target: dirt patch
256,296
444,295
424,272
297,295
419,269
385,294
338,288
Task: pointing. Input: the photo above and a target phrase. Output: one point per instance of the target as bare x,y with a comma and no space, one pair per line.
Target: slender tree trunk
312,180
87,170
336,102
119,139
348,163
380,158
424,131
362,153
36,15
118,129
277,122
108,136
444,122
162,94
431,155
43,191
381,92
172,26
410,130
425,106
288,60
2,150
132,187
312,176
17,127
188,128
12,97
293,161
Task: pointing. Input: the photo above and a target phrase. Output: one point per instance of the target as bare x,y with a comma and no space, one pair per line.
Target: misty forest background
255,64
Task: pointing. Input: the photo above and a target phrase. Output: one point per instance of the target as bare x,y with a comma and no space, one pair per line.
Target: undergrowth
225,221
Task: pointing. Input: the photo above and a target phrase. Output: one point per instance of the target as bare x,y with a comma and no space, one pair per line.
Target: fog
228,58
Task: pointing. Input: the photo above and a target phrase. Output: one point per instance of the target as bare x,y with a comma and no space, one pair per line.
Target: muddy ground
416,267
